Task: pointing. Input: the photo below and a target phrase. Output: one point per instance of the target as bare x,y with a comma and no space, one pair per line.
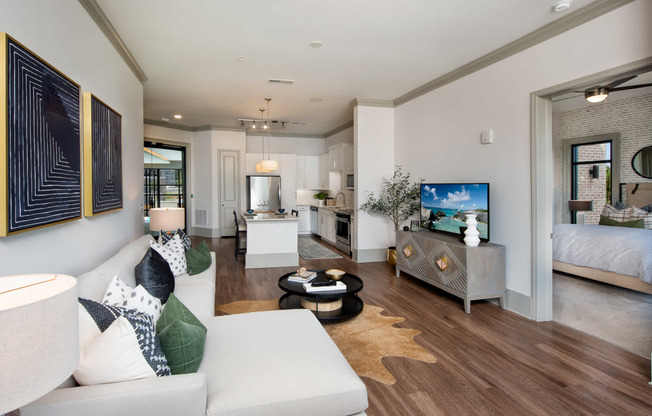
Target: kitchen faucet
343,198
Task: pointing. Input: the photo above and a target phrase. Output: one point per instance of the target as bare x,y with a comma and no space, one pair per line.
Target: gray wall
63,34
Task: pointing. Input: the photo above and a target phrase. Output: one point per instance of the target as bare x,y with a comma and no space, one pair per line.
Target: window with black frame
164,177
591,178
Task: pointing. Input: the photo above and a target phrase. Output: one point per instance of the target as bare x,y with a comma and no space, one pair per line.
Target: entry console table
445,262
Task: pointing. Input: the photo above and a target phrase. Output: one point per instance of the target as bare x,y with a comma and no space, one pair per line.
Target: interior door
229,191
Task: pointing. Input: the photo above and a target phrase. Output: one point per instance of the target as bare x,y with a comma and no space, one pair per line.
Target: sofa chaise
261,363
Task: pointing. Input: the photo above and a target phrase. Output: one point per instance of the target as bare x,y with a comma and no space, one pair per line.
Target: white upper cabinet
288,169
311,172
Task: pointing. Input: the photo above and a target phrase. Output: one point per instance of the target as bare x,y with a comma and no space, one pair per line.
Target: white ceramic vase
472,234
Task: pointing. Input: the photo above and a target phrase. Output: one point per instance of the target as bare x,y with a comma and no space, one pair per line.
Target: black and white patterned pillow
121,294
123,337
173,253
185,240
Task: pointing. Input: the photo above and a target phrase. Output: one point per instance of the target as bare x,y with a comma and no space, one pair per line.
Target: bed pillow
198,259
619,215
619,205
629,224
640,214
118,345
182,337
154,274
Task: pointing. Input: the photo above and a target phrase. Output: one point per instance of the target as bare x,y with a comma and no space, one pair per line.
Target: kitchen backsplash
305,197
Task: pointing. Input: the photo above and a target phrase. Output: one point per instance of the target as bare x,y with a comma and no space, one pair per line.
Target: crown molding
96,13
339,129
552,29
297,135
372,103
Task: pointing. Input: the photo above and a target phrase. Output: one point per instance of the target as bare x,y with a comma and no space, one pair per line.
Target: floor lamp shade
166,219
39,336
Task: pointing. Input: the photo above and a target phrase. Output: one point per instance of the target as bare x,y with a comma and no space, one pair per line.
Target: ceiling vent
280,81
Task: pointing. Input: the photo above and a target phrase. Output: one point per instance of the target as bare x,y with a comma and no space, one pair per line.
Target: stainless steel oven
343,232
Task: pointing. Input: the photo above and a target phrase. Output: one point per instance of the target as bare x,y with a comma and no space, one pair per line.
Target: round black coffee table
336,306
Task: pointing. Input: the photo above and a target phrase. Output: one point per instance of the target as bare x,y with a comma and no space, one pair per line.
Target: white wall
498,97
373,153
65,36
344,136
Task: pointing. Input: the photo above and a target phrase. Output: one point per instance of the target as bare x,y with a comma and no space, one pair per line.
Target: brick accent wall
631,117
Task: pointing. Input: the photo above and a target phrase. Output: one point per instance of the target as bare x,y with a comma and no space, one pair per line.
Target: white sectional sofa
263,363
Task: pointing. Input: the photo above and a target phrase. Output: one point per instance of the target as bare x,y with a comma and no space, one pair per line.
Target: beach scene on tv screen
444,206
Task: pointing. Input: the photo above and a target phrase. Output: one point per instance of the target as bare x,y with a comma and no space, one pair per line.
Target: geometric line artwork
102,157
40,142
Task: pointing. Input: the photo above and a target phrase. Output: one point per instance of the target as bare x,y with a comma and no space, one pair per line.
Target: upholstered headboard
639,194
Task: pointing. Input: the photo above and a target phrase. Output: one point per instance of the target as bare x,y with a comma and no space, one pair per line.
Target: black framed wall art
40,143
102,157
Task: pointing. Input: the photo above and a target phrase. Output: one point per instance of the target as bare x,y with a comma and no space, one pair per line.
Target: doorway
164,178
542,168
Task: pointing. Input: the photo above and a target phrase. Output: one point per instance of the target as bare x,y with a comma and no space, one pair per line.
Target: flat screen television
444,207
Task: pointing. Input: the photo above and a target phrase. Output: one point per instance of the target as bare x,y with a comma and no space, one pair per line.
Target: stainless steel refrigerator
263,193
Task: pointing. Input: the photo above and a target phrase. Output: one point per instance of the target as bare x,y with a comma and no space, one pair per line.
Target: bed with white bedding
616,255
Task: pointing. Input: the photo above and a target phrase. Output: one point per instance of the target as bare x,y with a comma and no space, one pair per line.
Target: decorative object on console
102,157
38,336
182,337
166,219
471,233
39,136
154,274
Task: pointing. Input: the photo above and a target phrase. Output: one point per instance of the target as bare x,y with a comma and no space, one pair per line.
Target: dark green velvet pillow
198,259
629,224
182,337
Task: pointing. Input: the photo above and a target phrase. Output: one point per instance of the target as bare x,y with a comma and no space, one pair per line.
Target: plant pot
321,202
391,256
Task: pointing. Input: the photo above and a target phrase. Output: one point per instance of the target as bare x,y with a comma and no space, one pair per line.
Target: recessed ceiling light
316,43
241,58
316,99
178,116
561,5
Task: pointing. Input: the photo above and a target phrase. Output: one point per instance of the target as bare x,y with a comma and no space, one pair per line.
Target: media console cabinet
444,261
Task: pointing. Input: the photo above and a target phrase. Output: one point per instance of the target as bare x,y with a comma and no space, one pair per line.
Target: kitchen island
272,240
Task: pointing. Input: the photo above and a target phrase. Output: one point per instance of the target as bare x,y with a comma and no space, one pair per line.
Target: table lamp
166,219
39,336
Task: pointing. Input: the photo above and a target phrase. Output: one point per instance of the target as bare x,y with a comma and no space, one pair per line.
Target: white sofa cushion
277,363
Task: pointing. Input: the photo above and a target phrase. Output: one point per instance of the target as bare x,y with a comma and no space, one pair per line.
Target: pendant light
259,165
268,164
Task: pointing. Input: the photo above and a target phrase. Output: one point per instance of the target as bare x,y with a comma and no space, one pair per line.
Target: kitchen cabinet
304,219
323,171
307,172
288,169
326,226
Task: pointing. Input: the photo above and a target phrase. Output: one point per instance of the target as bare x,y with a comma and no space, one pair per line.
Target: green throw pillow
629,224
182,337
198,259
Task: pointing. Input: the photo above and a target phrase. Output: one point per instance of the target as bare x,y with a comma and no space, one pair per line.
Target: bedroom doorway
543,183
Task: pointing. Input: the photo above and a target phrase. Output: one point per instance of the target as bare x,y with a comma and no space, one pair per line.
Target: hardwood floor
491,362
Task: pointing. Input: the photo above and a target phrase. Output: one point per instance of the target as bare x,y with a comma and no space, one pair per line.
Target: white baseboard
205,232
370,255
519,303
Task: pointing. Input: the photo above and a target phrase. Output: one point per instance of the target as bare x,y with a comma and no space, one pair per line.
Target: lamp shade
577,205
39,336
268,165
166,219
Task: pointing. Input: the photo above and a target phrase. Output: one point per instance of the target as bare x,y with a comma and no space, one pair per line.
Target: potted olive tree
398,199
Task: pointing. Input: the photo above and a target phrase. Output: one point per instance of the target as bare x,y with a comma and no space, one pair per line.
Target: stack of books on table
304,277
334,286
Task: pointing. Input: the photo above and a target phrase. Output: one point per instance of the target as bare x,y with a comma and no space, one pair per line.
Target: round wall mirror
642,162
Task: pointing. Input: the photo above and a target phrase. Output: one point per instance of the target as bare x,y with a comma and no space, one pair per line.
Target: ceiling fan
599,93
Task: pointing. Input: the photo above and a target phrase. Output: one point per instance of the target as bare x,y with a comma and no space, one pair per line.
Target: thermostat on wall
487,137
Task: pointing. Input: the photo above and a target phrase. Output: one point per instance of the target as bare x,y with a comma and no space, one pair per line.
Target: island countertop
267,217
